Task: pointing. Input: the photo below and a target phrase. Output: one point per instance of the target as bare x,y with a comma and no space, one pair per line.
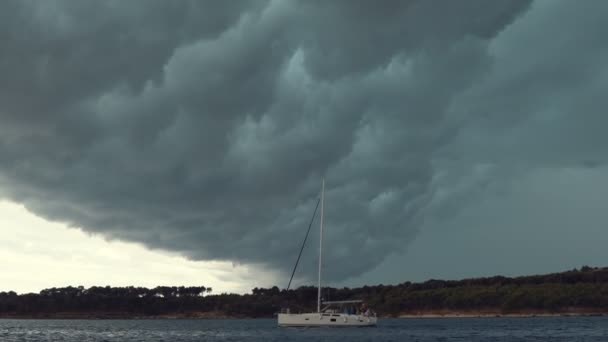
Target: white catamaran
335,313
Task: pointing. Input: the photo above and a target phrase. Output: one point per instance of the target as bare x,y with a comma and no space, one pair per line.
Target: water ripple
422,330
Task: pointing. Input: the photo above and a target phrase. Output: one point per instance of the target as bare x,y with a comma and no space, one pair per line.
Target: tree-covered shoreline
579,291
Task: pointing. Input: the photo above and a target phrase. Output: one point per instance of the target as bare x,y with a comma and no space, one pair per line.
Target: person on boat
365,311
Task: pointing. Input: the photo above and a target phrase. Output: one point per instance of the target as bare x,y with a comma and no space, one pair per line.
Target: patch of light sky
38,254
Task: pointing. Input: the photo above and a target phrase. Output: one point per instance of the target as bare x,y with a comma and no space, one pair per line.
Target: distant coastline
498,314
578,292
219,315
120,315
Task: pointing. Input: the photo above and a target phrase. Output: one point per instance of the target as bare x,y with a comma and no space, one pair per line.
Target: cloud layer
206,127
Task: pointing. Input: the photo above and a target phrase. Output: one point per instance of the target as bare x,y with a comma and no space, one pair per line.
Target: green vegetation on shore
582,290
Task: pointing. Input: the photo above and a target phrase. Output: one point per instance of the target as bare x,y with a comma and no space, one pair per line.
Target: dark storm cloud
205,127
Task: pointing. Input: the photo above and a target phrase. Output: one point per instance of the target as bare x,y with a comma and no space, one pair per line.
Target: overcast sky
457,139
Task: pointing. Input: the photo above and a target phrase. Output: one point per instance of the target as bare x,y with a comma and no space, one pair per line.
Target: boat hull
325,320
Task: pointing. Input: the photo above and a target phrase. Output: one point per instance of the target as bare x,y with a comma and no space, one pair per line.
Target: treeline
584,289
94,300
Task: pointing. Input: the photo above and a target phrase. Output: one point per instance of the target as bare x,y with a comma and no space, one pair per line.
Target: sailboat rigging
335,313
303,244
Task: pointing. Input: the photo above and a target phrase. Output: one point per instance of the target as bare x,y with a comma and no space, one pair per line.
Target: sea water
443,329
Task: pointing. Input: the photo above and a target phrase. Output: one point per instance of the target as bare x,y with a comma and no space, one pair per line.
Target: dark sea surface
445,329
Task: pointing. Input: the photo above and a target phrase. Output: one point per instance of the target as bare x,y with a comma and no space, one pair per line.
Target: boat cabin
348,307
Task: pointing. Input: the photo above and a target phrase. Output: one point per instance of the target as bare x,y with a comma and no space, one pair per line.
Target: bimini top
344,301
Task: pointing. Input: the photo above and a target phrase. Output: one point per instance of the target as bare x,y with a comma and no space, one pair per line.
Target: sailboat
332,313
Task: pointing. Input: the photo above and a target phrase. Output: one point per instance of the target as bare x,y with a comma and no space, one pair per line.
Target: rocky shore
575,312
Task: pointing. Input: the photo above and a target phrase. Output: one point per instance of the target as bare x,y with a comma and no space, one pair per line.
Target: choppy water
422,330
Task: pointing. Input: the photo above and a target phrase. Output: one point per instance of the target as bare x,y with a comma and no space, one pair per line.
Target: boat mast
320,246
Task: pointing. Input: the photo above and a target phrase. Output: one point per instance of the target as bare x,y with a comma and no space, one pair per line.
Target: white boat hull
325,320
